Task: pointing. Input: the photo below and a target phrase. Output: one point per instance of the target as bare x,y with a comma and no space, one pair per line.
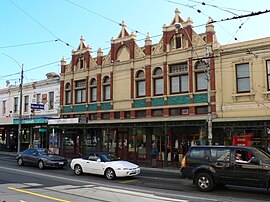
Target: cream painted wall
229,102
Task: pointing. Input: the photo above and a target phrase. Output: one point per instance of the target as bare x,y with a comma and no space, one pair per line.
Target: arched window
140,84
201,76
158,81
106,88
176,42
67,93
93,90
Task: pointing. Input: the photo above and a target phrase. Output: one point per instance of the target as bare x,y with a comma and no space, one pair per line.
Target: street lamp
208,78
20,110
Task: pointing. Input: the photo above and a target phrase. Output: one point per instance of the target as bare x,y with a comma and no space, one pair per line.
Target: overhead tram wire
109,19
67,44
28,44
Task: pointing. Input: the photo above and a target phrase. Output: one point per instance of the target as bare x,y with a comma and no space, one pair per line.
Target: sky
37,34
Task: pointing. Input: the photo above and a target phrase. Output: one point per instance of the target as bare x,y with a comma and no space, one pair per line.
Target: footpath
168,170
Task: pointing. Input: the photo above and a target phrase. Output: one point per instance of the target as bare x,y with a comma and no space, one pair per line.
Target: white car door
96,166
85,163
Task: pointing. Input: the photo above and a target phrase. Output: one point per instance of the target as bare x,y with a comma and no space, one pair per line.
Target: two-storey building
40,102
134,96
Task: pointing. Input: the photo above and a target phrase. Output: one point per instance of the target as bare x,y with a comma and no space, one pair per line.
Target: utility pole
20,113
208,77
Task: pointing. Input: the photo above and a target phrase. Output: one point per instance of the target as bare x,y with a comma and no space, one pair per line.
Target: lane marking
128,181
79,180
36,194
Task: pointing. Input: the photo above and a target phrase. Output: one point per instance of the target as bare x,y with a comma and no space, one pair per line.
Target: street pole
20,114
209,115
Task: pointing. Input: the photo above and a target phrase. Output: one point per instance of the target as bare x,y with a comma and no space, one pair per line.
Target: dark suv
208,166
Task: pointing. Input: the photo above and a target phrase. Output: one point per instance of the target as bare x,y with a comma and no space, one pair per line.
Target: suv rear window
220,154
198,153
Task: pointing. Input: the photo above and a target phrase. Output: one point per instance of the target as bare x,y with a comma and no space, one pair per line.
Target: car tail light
183,162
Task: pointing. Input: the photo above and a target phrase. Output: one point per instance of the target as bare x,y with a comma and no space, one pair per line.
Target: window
80,91
157,112
4,107
16,101
158,81
197,153
51,100
105,115
68,93
268,73
174,112
26,103
201,76
242,78
93,116
127,114
38,98
218,154
116,115
201,110
140,84
176,42
106,88
178,78
140,113
93,90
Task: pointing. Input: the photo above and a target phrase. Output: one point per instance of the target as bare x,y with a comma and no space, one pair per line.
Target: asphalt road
29,184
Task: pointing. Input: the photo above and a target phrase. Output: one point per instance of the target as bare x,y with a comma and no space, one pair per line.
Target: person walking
154,153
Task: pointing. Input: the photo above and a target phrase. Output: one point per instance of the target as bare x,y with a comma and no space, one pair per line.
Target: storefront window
54,141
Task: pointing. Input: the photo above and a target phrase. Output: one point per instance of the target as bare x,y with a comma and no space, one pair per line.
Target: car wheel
20,162
110,174
78,169
204,182
40,164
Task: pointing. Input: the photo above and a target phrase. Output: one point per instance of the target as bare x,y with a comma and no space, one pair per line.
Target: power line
28,44
67,44
109,19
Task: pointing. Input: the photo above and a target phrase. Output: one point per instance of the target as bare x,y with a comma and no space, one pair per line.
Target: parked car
104,164
40,157
209,166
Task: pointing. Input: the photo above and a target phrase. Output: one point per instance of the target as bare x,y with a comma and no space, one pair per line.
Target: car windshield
43,152
261,154
108,157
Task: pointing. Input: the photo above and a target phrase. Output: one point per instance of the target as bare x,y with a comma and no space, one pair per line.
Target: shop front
130,141
254,133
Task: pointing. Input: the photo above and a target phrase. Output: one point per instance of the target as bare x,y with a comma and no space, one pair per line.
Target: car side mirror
255,161
98,160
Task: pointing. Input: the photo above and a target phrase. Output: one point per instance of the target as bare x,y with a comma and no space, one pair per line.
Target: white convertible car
104,164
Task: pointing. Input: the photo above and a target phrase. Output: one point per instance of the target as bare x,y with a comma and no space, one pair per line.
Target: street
29,184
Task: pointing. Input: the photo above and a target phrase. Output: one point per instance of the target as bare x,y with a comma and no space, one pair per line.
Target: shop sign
244,140
31,120
63,121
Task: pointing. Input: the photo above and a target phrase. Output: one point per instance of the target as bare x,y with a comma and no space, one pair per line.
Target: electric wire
67,44
109,19
28,44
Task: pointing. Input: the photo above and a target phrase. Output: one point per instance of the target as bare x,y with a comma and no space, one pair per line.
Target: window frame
67,93
26,103
80,91
268,74
201,69
158,77
93,90
178,71
106,86
237,66
140,84
51,100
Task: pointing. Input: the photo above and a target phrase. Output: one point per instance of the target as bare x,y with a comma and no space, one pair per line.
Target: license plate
61,163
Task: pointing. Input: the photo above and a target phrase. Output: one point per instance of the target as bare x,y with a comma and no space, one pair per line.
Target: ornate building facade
134,96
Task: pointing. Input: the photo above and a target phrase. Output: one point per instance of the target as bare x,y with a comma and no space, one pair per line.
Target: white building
40,102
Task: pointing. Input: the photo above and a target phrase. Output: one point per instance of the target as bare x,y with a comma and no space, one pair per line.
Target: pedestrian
154,153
